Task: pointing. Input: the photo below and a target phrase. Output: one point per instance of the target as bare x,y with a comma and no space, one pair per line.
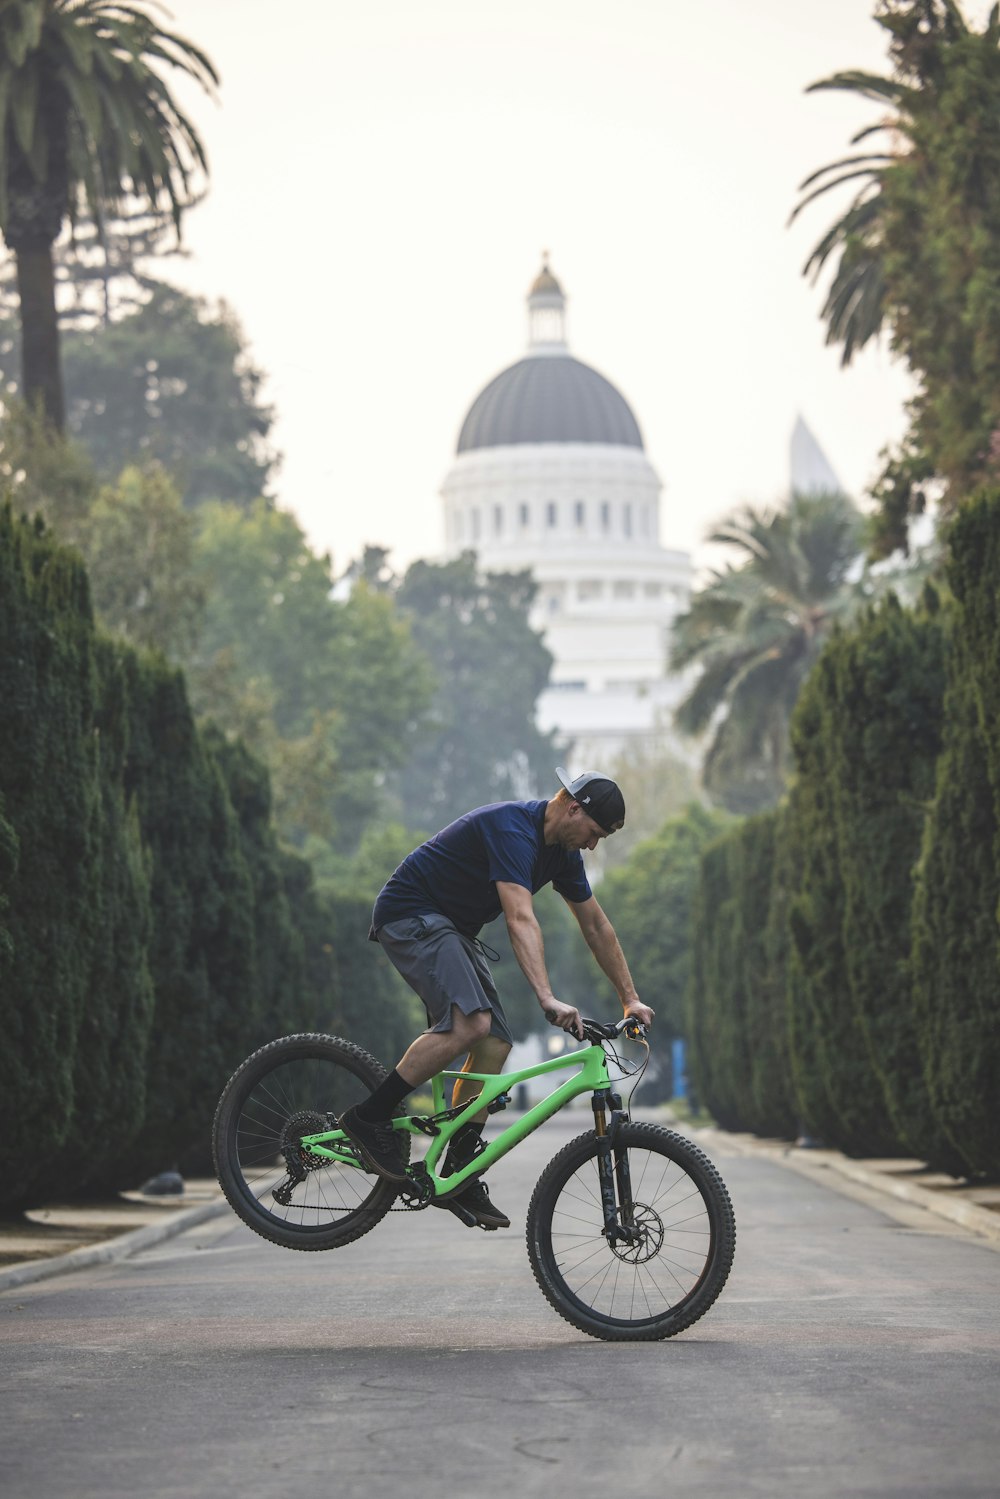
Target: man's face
581,831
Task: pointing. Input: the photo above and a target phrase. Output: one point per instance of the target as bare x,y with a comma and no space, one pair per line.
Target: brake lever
634,1030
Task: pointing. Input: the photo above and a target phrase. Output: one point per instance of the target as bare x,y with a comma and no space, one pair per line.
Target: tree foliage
329,691
151,373
919,248
172,382
137,541
754,631
483,745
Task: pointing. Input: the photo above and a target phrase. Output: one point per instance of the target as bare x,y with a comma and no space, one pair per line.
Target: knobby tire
676,1273
292,1087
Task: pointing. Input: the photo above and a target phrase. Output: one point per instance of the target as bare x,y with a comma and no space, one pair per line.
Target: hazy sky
385,176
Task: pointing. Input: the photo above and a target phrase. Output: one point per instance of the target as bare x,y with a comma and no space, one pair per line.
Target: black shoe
377,1144
475,1199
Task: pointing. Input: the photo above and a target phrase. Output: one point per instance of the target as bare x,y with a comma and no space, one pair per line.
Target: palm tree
856,303
754,631
85,122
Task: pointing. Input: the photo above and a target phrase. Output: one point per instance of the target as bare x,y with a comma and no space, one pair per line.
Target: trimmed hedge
152,932
846,947
77,995
866,734
956,953
737,1020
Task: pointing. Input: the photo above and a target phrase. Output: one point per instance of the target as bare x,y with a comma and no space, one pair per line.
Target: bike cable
628,1071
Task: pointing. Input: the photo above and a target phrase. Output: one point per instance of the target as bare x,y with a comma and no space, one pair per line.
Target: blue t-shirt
456,871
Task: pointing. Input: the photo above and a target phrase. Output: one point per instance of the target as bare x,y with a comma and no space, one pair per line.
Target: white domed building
551,474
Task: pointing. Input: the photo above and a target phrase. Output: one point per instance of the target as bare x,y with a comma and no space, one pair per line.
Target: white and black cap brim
595,791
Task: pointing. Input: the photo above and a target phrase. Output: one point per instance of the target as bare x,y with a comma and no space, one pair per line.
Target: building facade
551,474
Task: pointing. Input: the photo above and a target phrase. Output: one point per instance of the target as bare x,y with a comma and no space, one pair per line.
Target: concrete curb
119,1248
969,1215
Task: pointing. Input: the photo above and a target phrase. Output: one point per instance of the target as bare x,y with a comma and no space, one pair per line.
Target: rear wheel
298,1086
678,1263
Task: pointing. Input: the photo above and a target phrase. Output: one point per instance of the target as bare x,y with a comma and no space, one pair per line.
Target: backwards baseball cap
598,795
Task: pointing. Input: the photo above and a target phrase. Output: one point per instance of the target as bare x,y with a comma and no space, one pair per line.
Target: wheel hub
648,1225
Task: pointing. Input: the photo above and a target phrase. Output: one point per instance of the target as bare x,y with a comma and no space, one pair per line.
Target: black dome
549,398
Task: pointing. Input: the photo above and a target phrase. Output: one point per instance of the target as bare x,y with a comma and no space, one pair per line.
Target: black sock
385,1100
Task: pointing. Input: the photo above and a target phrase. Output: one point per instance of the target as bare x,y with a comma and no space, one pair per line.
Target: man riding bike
427,919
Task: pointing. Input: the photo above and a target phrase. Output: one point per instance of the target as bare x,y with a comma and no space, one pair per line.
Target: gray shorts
445,969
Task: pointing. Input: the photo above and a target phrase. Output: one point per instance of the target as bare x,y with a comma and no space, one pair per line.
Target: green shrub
737,1015
75,1001
955,925
836,1081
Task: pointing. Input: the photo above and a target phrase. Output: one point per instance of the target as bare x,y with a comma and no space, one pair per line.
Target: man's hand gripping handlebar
598,1030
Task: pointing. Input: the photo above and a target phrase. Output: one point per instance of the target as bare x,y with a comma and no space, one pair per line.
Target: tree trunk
41,371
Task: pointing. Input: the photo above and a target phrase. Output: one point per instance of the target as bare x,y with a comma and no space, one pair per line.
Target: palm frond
867,172
881,157
855,305
860,223
869,85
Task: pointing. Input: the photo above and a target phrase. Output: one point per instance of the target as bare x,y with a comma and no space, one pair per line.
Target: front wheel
679,1256
298,1086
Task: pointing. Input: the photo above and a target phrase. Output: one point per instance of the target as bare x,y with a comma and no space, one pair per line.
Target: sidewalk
56,1239
971,1207
69,1236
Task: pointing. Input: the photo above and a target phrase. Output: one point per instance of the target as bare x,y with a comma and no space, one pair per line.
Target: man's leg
432,1051
368,1124
487,1056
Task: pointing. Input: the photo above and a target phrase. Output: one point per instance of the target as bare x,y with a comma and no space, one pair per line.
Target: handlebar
596,1030
599,1030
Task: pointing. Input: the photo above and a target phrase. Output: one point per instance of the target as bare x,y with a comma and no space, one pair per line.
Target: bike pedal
469,1219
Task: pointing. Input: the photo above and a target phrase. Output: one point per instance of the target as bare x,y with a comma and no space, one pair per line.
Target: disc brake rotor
649,1226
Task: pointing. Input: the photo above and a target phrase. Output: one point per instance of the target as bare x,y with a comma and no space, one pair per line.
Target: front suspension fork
612,1169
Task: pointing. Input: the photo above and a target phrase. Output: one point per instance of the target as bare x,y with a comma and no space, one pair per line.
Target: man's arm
529,950
600,938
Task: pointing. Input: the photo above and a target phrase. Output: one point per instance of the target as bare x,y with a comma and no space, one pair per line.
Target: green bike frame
592,1077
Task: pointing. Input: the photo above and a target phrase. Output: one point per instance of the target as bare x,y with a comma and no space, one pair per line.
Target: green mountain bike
630,1228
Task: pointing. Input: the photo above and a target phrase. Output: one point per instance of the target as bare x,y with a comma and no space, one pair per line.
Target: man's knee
471,1028
495,1048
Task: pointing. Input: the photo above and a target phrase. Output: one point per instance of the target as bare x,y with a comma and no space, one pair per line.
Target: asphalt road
851,1353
